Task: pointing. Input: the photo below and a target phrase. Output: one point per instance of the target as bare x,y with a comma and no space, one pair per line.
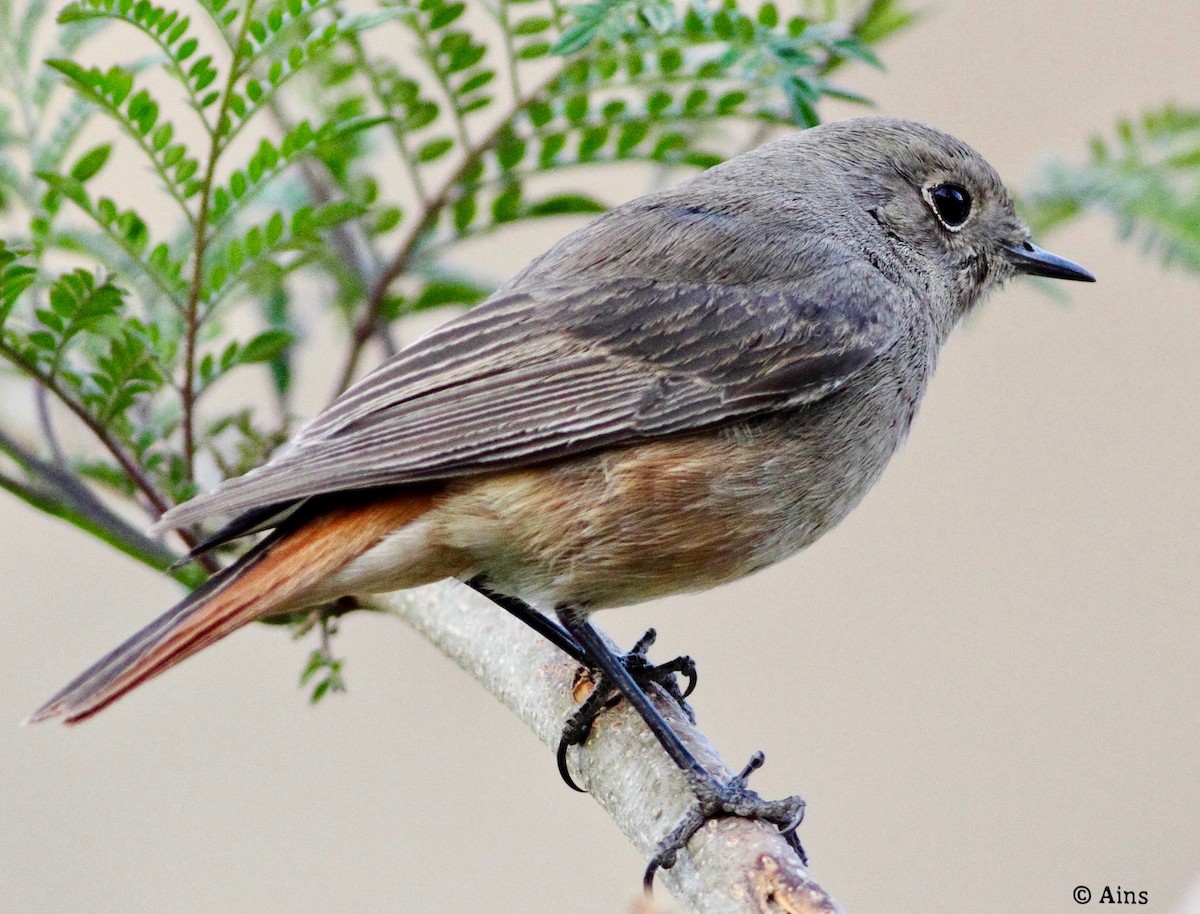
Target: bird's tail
273,577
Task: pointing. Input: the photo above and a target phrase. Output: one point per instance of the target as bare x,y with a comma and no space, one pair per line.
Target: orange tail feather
273,577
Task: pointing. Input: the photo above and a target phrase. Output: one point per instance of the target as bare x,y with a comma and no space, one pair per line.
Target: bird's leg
604,695
716,799
539,622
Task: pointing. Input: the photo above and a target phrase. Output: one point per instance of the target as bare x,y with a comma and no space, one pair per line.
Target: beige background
984,682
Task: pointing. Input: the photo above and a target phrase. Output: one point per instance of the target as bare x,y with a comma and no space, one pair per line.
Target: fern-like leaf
1148,178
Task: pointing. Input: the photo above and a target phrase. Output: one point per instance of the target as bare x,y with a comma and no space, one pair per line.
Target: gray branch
59,491
732,866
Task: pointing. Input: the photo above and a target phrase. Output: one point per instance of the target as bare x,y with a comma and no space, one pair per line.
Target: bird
694,386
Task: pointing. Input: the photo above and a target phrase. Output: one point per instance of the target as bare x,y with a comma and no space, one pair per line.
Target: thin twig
399,133
58,488
200,248
510,52
40,399
157,503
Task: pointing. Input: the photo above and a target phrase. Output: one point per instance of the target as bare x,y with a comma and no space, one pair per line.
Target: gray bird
692,387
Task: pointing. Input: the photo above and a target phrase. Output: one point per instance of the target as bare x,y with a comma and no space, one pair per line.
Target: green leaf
445,15
729,102
387,219
162,136
336,213
438,293
658,102
576,38
15,278
670,60
275,229
592,141
535,25
510,150
576,108
434,149
883,19
534,50
477,81
268,345
630,136
552,145
695,101
464,212
507,205
91,163
856,49
566,204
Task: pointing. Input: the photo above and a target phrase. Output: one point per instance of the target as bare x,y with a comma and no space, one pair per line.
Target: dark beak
1028,258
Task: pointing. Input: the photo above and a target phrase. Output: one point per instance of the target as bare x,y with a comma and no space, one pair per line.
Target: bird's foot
604,695
719,801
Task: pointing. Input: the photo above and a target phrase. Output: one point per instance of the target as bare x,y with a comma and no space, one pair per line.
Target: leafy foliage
294,147
1148,178
323,671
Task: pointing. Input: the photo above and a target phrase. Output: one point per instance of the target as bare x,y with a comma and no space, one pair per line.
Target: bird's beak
1028,258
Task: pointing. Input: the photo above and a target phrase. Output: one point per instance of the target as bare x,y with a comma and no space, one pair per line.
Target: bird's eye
951,203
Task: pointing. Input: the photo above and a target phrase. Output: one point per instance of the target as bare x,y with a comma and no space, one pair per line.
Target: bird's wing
542,373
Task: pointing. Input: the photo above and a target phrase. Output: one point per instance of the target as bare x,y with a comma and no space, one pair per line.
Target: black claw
578,727
663,674
688,671
644,643
651,869
562,766
604,696
626,677
756,761
793,841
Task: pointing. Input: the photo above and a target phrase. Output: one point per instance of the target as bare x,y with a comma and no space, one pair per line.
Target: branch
155,499
220,132
57,491
69,489
733,866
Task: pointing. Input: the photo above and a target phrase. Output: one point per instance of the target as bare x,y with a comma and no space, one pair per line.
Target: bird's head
941,206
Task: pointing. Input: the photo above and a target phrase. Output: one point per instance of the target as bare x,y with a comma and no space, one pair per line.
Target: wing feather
547,372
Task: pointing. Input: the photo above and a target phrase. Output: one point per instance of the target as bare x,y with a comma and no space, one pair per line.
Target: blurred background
984,682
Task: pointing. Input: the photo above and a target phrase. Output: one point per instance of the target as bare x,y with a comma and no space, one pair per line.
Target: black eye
952,204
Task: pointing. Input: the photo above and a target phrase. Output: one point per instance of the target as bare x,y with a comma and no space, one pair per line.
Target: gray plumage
757,287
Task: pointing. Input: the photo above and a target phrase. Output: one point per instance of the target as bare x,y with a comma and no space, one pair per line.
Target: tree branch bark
732,866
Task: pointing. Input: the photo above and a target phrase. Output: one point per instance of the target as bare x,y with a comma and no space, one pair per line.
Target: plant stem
47,427
460,124
510,53
192,330
399,133
60,493
157,503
